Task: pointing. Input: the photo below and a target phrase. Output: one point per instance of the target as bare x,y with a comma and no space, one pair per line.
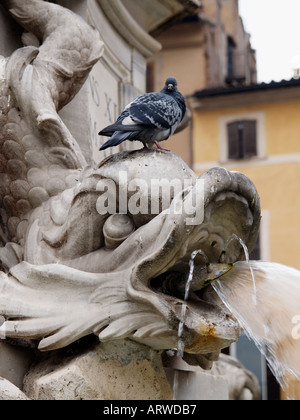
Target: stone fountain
94,259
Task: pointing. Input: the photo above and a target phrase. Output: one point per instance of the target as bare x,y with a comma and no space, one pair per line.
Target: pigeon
149,118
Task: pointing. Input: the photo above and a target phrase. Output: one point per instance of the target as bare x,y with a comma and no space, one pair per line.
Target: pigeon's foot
161,148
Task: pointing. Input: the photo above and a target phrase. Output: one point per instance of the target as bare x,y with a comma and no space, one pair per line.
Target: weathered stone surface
227,380
199,386
117,370
8,391
243,384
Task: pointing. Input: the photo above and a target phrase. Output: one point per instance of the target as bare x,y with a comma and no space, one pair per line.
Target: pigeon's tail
117,138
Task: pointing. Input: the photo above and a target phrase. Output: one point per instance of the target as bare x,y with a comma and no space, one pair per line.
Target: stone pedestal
193,383
121,370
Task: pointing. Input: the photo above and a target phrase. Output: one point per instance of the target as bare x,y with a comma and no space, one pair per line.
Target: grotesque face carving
124,275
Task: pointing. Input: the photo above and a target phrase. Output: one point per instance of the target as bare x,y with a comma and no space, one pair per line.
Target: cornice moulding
128,28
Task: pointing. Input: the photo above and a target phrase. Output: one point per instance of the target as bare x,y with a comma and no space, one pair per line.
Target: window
242,139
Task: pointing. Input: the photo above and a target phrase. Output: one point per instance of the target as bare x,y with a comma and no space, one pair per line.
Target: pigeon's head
171,84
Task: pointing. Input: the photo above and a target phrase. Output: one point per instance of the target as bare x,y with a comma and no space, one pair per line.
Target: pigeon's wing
150,110
117,126
155,109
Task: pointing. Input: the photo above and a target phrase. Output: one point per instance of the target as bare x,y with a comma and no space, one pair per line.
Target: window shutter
249,137
242,141
233,140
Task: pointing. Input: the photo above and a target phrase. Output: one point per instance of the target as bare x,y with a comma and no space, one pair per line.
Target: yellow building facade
206,50
275,169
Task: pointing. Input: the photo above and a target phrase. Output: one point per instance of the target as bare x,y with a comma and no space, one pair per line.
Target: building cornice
231,97
128,28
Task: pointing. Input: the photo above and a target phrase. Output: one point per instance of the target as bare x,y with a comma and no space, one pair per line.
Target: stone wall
116,79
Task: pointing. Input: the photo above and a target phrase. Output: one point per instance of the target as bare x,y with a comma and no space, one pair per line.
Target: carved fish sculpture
66,269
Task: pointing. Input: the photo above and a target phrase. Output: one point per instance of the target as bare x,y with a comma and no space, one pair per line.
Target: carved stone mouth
137,289
178,285
231,211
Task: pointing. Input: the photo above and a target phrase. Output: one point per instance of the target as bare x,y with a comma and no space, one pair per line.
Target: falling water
180,346
180,349
265,299
274,323
246,252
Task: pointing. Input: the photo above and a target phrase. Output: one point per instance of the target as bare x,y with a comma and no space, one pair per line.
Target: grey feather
149,118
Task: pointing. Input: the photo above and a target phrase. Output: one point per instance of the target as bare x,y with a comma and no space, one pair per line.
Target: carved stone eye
116,229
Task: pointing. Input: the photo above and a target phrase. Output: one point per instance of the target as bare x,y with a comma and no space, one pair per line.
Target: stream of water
246,252
273,321
180,349
180,346
265,299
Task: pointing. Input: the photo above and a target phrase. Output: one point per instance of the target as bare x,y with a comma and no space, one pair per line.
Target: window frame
259,117
237,142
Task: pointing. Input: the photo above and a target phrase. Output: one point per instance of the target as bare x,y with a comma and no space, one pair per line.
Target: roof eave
246,95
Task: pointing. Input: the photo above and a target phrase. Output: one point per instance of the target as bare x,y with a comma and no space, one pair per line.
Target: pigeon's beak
170,87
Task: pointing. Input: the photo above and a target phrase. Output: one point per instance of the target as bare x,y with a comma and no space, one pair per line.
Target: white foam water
272,322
